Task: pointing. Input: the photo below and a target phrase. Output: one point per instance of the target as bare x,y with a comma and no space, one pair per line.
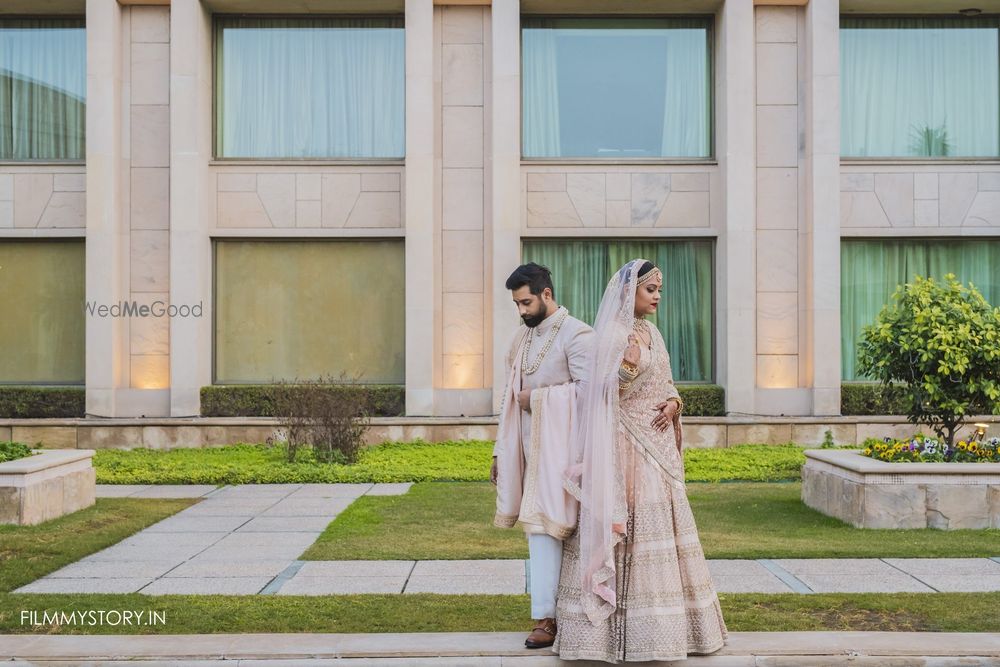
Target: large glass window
309,87
301,309
871,271
43,89
920,87
42,312
581,270
616,87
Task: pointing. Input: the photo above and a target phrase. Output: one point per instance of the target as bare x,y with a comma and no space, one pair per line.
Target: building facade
238,191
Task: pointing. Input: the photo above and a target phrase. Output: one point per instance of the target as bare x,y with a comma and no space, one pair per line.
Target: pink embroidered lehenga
641,589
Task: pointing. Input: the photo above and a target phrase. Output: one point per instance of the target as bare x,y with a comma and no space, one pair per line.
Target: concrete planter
875,494
46,486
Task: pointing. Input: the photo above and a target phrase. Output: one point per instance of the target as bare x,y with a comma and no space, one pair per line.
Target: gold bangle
630,368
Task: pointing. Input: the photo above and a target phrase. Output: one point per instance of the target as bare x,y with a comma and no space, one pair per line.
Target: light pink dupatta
603,511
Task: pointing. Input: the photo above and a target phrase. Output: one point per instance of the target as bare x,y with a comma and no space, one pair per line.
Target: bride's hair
646,268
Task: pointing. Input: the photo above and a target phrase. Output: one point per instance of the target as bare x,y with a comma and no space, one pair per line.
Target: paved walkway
745,649
246,540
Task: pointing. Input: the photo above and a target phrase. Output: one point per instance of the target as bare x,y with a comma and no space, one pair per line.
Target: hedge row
700,400
42,402
867,398
257,400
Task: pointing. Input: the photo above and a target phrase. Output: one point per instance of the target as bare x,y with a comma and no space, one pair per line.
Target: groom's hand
524,399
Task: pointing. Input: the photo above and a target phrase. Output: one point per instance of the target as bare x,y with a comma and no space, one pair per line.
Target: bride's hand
666,412
632,351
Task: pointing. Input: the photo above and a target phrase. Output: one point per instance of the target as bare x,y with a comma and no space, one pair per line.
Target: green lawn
461,461
735,520
195,614
30,552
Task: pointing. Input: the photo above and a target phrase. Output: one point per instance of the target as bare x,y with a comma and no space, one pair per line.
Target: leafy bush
870,398
42,402
257,400
703,400
940,342
11,451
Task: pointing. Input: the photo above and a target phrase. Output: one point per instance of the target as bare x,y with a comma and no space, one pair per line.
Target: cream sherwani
534,448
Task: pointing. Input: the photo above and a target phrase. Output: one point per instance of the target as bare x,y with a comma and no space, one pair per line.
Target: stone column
422,243
822,204
735,252
462,389
505,193
780,366
191,199
107,234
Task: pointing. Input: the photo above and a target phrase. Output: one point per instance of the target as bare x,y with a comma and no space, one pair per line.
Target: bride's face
647,297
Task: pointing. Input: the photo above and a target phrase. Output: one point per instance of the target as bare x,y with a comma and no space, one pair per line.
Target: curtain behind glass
309,87
41,301
581,270
43,89
920,87
871,271
301,309
616,87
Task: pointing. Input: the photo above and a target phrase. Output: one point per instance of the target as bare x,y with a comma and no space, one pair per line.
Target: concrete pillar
822,203
107,232
191,199
422,242
735,150
505,227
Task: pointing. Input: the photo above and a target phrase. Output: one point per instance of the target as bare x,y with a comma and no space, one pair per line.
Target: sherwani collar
547,323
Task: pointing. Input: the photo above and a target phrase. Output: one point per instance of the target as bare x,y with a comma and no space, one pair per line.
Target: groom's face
531,307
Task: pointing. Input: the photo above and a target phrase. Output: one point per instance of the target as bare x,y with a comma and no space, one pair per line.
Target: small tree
330,415
941,343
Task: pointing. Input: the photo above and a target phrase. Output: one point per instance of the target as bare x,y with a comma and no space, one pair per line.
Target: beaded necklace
528,370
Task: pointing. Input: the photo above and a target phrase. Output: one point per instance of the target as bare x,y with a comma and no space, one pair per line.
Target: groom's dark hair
535,276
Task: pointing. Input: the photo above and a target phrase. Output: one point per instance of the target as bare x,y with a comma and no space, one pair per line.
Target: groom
547,364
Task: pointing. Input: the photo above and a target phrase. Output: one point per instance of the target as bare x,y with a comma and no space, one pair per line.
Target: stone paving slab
104,585
749,583
950,566
467,585
948,583
206,586
225,544
770,648
476,568
362,568
342,585
864,583
859,566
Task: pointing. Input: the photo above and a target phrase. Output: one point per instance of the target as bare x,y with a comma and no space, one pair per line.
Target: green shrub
42,402
11,451
703,400
939,342
869,398
258,400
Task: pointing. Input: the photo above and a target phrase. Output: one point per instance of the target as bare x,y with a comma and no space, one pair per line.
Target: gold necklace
525,368
639,326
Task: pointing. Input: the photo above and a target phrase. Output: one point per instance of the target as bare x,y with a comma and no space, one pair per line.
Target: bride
634,584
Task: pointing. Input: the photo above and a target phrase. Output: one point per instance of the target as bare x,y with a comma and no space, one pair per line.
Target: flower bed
927,449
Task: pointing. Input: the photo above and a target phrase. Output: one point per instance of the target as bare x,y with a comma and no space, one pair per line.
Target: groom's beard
534,320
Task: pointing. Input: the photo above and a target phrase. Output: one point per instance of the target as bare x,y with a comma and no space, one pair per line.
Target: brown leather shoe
544,634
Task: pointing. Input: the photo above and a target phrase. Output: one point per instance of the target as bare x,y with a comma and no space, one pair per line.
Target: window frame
41,162
913,159
215,241
216,159
713,242
710,159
